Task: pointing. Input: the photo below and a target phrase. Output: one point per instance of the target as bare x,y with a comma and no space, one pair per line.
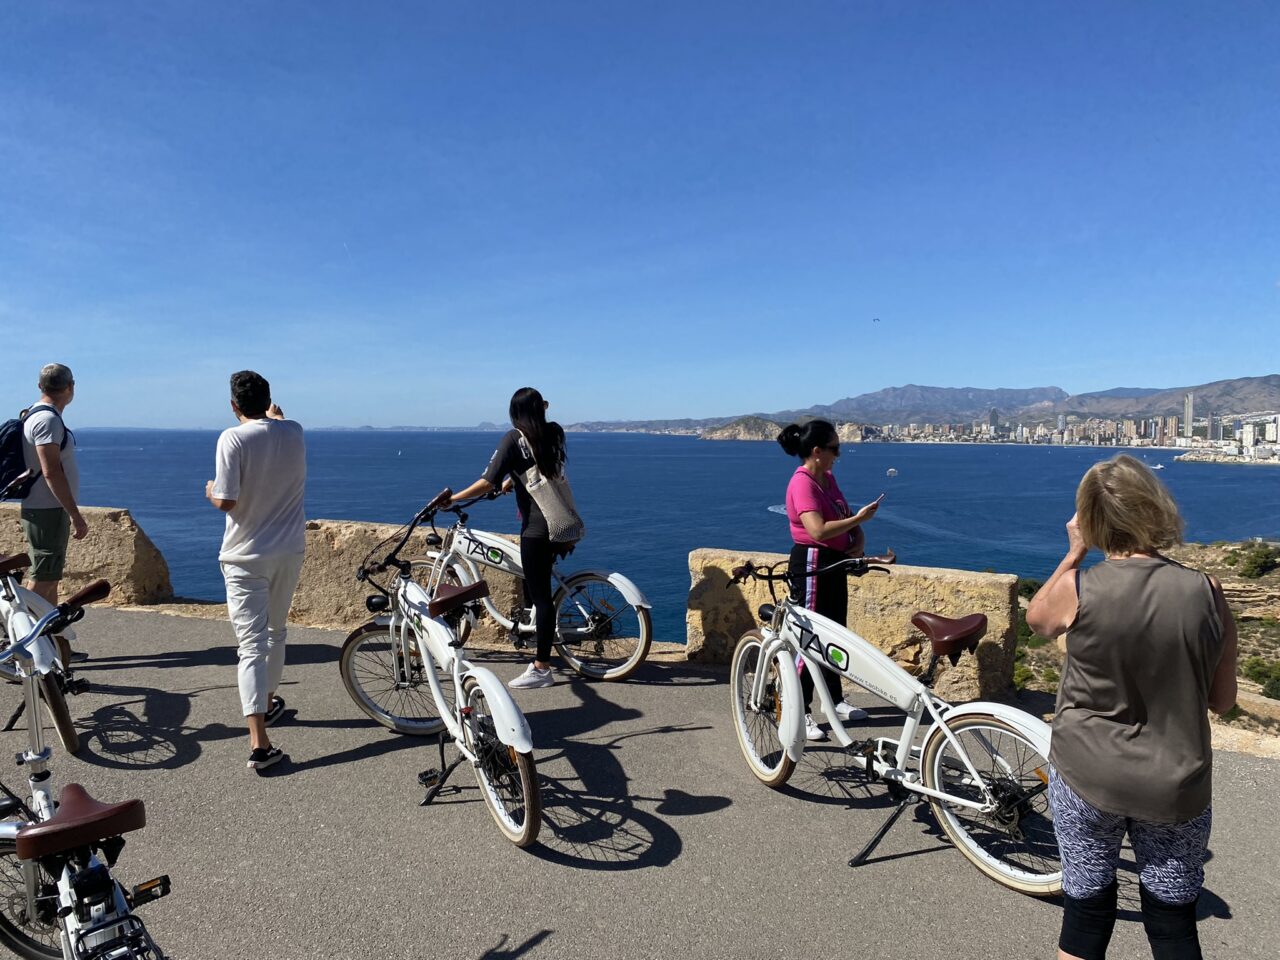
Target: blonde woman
1151,646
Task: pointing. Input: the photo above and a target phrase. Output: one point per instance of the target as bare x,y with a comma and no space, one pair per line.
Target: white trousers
259,593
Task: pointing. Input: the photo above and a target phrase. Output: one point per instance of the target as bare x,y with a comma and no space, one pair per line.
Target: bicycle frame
829,646
411,622
34,654
14,599
468,550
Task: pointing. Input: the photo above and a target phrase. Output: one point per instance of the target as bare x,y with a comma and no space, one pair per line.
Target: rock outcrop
116,549
880,610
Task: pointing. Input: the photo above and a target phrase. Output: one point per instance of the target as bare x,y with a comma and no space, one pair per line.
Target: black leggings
537,555
827,595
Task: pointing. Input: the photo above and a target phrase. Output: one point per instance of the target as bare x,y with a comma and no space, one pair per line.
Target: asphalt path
656,840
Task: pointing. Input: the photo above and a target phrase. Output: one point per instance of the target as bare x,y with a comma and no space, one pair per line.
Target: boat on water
1157,466
891,472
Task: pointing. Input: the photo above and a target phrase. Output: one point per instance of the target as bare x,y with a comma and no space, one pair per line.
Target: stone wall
880,610
329,595
116,548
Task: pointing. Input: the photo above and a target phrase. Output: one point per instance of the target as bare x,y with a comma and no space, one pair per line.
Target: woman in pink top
824,531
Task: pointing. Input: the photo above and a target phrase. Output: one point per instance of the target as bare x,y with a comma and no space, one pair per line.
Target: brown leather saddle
951,637
449,598
79,821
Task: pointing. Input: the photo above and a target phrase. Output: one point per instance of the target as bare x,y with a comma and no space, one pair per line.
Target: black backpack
15,481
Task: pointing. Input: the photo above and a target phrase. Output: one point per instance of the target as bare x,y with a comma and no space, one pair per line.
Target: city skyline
401,215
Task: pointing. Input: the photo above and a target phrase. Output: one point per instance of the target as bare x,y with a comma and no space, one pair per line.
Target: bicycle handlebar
856,566
65,613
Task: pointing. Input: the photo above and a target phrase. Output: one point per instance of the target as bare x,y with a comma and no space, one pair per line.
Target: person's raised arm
1223,688
477,489
821,529
1053,609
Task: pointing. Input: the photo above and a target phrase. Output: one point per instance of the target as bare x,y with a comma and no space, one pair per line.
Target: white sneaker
531,678
847,711
811,729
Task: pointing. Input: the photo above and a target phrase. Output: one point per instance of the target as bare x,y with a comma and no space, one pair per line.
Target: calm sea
649,500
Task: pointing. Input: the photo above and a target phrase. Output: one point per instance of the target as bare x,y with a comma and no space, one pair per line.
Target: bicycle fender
625,587
39,606
513,728
1031,727
791,726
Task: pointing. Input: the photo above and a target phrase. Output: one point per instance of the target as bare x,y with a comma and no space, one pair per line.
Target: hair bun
789,439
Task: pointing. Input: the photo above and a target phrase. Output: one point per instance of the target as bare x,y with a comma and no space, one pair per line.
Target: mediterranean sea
649,500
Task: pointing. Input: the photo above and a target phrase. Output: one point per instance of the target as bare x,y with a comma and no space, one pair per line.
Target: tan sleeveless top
1131,732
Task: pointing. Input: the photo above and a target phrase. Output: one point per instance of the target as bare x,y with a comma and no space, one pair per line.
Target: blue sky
399,213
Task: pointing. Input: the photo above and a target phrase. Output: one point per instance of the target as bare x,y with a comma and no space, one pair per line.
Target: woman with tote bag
531,458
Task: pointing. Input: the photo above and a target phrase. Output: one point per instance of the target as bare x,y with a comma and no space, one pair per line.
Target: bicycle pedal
429,778
149,891
78,686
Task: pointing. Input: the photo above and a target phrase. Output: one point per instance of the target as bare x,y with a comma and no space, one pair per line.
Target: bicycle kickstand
905,798
434,778
13,718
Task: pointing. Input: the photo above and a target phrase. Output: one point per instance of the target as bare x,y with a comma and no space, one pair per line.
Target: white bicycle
983,767
20,607
603,624
57,896
392,668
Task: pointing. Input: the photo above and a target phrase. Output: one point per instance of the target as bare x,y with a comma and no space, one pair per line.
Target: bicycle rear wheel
55,704
508,781
34,937
391,691
598,632
757,727
1015,843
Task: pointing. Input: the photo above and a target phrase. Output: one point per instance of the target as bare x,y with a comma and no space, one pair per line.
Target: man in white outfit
259,480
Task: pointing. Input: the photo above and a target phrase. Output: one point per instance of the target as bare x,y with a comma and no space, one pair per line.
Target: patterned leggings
1170,855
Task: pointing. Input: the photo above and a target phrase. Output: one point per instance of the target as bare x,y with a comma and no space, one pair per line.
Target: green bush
1027,587
1258,559
1269,689
1050,676
1022,675
1260,670
1232,558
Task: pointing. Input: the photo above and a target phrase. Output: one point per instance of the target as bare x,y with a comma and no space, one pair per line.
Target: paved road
656,842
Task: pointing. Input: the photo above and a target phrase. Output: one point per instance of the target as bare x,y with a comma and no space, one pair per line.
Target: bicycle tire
1015,845
507,778
55,704
595,635
369,668
24,935
757,729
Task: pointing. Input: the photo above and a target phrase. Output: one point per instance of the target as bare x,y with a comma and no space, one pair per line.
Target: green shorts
47,532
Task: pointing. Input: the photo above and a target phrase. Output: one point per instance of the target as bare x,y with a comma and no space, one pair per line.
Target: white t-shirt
262,466
38,429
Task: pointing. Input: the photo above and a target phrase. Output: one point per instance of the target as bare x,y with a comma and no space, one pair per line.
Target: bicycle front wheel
36,937
389,687
757,726
55,704
1015,843
508,781
598,632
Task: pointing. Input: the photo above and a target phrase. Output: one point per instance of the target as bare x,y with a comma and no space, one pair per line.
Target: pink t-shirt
805,494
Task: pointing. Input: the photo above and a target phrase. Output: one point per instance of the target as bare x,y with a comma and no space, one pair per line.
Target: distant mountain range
919,404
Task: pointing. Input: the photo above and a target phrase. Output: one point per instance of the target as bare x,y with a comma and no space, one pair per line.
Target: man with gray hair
51,512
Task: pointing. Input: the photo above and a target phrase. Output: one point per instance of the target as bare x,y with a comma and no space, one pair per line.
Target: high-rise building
1248,435
1188,412
1208,426
993,420
1273,430
1062,421
1170,427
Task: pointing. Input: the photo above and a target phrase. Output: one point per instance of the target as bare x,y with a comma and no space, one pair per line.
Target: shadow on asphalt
223,655
500,950
590,818
145,728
